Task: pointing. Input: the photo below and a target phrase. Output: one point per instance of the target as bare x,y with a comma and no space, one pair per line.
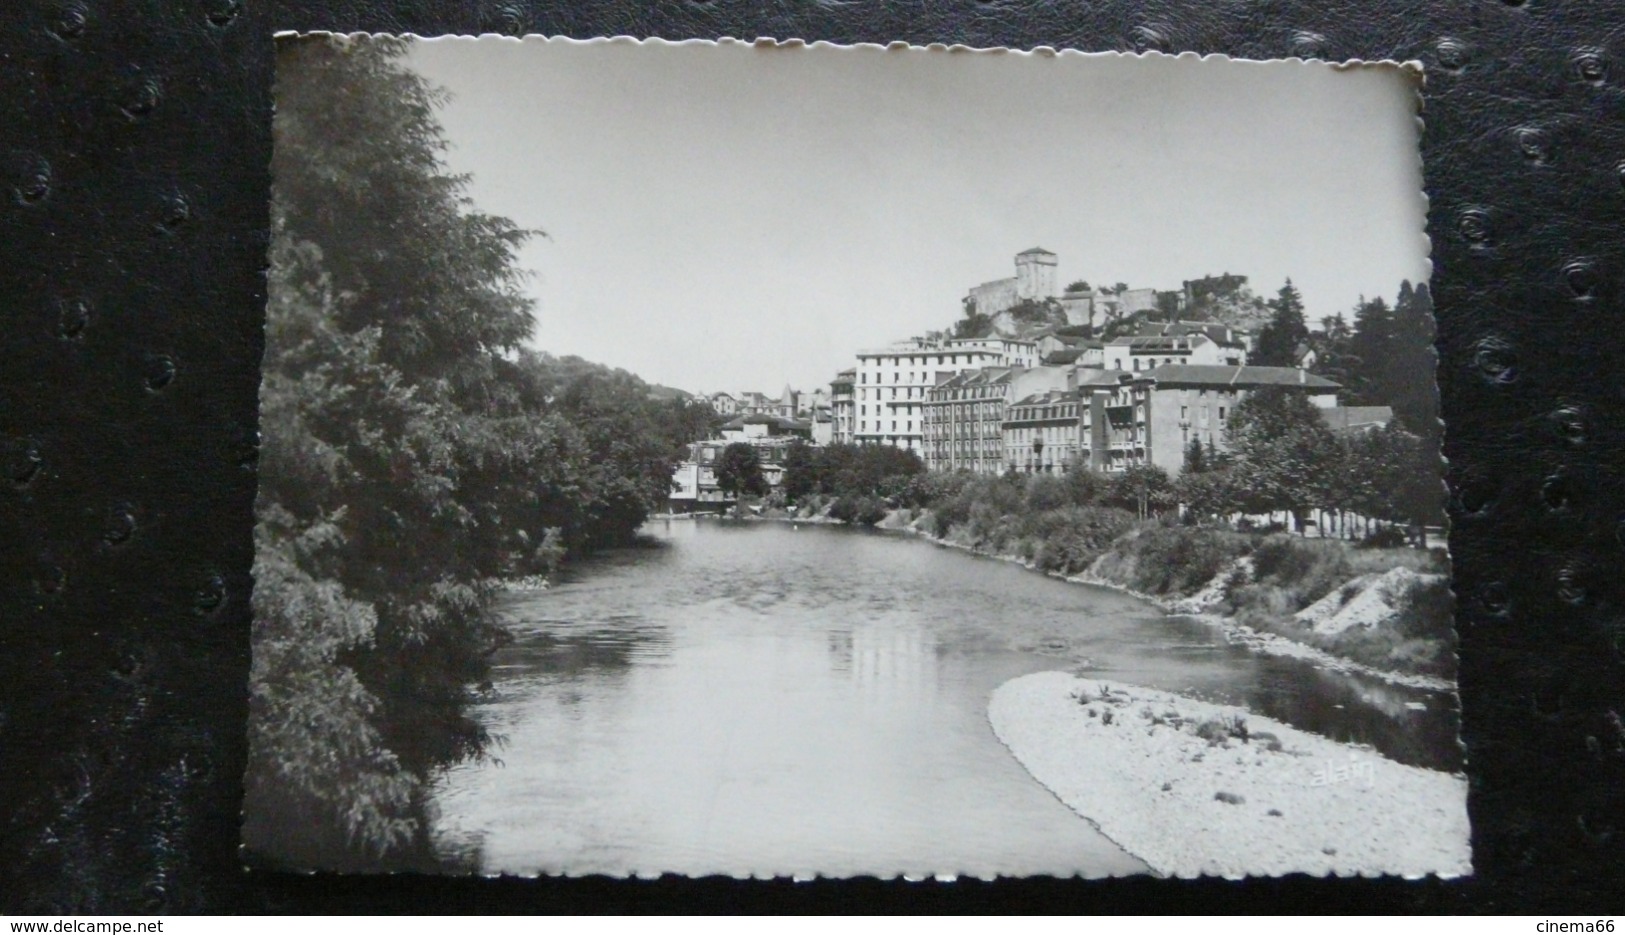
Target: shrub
1046,493
1171,561
1307,568
860,509
1388,537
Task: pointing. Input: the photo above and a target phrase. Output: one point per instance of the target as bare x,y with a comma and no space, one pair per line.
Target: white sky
739,218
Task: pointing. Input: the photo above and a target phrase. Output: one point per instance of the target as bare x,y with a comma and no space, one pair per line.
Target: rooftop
776,421
1247,377
1145,342
1350,418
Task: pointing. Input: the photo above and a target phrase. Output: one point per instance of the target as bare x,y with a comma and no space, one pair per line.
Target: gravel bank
1131,761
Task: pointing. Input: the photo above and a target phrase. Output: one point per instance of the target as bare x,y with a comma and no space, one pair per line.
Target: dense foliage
864,480
413,452
1385,358
1285,332
739,471
1283,458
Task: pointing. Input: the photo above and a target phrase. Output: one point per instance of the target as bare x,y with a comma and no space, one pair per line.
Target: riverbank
1194,789
1383,613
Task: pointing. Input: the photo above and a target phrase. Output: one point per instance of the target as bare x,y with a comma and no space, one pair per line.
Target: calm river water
767,699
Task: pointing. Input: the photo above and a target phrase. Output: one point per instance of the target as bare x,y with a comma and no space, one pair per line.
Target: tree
1076,286
739,471
1279,340
412,453
1410,386
1144,488
802,474
1195,457
1334,355
1371,344
1284,453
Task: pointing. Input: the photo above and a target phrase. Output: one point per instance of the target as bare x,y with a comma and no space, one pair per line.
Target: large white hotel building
893,383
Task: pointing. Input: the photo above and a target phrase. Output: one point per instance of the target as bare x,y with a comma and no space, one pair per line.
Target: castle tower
1035,274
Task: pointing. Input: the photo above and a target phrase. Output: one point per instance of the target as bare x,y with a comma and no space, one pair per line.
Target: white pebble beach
1128,759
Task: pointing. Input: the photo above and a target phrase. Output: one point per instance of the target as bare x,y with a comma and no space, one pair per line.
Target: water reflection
757,698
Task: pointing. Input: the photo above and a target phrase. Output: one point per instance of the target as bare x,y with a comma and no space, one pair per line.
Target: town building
823,426
893,383
1196,402
724,403
816,400
1143,352
789,403
965,414
694,482
843,406
1215,331
752,403
1114,419
753,427
1044,433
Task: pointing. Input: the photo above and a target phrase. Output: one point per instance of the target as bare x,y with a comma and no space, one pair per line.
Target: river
768,699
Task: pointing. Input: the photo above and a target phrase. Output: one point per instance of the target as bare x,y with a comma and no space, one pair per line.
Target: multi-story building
1196,402
962,421
1217,332
964,415
753,427
723,403
1044,432
694,482
752,403
1144,352
893,383
1114,419
823,426
843,406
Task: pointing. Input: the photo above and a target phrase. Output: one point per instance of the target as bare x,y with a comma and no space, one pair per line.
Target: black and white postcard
775,460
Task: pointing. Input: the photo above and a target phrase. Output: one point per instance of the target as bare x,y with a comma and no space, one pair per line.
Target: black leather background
135,139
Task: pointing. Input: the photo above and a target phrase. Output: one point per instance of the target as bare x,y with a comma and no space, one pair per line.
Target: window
1184,413
1221,413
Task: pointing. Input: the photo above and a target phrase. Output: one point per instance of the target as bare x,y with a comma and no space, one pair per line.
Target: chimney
1303,375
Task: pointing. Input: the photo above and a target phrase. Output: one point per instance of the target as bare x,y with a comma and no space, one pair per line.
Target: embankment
1196,789
1382,611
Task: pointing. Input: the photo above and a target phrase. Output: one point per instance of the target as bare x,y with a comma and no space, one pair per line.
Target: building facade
694,481
962,421
1145,352
893,384
1196,402
724,403
843,405
1044,433
965,415
1115,419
